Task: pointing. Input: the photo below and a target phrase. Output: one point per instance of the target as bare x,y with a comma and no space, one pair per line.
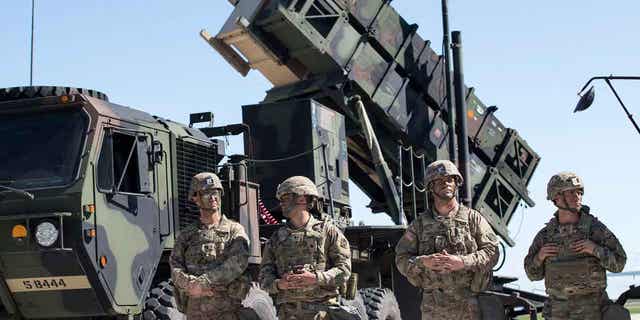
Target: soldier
572,253
305,262
209,258
448,251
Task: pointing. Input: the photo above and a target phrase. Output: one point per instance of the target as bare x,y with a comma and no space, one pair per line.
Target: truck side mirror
156,153
143,163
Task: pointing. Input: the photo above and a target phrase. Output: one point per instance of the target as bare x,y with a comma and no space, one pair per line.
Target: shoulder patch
282,234
187,232
318,226
237,228
409,236
343,243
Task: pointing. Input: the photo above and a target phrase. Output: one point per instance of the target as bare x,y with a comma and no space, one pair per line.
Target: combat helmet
563,181
297,185
204,181
439,169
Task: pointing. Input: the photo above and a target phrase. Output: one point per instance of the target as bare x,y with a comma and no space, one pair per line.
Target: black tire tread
30,92
161,303
259,304
359,305
381,304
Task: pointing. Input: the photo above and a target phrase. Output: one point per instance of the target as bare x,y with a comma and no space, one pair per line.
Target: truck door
127,213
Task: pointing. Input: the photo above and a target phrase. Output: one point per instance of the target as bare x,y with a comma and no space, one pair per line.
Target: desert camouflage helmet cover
441,168
561,182
204,181
298,185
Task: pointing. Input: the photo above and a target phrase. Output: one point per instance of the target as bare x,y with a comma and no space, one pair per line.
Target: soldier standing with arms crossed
307,261
572,253
210,257
448,251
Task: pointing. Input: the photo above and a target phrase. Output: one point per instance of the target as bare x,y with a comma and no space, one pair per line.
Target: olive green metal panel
305,128
367,68
365,11
344,44
390,30
413,54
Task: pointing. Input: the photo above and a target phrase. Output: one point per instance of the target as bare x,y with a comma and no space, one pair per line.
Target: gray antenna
33,10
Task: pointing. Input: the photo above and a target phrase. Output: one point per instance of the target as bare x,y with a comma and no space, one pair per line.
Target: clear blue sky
527,57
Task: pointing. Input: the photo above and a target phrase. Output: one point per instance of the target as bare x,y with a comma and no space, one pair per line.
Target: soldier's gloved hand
283,283
450,262
584,246
549,250
180,280
301,280
195,290
431,262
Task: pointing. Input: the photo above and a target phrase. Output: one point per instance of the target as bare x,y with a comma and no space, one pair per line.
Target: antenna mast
33,10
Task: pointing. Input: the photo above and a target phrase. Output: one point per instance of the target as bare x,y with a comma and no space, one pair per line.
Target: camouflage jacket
319,247
465,233
609,251
212,256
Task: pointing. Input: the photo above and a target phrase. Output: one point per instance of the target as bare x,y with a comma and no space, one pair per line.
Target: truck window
41,149
123,163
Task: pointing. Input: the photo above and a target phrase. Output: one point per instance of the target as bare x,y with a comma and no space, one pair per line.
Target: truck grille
192,158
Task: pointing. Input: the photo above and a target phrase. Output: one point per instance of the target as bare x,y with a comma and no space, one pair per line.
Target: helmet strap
564,198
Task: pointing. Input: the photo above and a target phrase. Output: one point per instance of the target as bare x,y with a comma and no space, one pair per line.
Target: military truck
92,194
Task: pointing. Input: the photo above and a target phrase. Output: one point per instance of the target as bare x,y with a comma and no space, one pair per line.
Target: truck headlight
46,234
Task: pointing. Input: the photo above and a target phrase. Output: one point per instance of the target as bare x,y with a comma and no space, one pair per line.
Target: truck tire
161,304
258,305
17,93
3,313
359,305
381,304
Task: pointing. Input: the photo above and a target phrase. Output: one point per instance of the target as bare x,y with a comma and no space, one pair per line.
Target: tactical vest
304,249
569,273
206,250
454,236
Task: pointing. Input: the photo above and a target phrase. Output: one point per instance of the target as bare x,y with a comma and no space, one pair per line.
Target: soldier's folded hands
549,250
584,246
301,280
432,262
450,262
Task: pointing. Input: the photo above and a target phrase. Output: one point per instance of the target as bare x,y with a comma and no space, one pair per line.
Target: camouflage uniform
575,282
464,233
214,257
318,247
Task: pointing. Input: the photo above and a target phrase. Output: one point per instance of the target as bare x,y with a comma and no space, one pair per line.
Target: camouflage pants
584,307
208,308
442,305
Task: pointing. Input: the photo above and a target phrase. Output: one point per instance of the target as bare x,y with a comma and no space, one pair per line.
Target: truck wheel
3,313
17,93
381,304
258,304
359,305
161,304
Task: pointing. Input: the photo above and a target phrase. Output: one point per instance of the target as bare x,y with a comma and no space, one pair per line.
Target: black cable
286,158
504,257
